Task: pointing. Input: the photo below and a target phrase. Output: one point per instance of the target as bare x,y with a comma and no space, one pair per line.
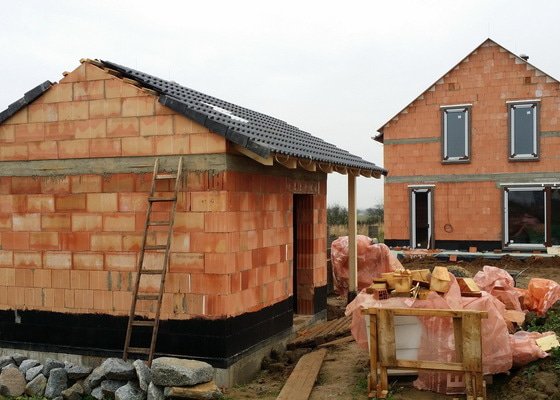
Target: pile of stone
113,379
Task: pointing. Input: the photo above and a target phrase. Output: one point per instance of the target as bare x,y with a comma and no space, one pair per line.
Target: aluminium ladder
137,295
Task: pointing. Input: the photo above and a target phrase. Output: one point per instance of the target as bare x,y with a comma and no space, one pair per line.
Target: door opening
421,218
302,261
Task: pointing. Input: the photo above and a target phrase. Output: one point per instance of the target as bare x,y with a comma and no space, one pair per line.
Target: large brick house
249,242
474,159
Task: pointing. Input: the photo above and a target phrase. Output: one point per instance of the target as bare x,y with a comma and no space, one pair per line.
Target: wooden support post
373,382
352,231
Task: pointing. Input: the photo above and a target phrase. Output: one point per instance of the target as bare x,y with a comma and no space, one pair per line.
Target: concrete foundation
243,370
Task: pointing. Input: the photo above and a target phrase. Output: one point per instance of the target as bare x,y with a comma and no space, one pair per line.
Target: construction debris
321,333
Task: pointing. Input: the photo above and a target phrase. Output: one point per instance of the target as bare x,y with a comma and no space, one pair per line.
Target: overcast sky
338,70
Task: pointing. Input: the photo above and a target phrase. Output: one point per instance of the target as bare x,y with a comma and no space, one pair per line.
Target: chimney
524,56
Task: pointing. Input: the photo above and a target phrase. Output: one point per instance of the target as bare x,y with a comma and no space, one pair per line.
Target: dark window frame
547,190
445,110
520,105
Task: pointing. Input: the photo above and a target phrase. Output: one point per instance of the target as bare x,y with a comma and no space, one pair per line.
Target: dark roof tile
255,131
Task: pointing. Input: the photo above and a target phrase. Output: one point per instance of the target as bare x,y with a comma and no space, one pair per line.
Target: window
455,133
532,216
523,128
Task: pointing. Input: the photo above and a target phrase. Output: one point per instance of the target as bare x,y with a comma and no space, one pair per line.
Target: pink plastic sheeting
524,347
437,342
373,260
499,284
541,295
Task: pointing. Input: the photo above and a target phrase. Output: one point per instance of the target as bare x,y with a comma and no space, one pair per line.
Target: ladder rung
143,323
155,247
138,350
159,223
147,297
152,271
156,199
166,176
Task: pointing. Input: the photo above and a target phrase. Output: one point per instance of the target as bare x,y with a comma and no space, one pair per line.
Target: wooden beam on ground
302,379
263,160
336,342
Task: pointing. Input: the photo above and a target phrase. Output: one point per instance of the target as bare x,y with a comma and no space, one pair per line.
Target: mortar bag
541,295
499,284
372,260
524,347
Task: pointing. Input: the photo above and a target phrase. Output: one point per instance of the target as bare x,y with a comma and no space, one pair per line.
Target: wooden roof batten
290,162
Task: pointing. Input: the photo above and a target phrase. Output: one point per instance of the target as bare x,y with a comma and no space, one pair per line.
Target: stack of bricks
71,243
487,78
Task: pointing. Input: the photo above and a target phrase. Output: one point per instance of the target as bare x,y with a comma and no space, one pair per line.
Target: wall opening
421,218
302,272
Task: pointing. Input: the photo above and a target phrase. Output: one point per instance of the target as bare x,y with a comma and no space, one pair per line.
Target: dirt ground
344,370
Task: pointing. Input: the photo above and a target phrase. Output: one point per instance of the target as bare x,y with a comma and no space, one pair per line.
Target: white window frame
512,245
463,108
521,105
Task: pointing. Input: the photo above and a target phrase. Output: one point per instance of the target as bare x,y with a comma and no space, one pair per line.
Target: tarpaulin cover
541,295
524,347
372,260
499,284
437,342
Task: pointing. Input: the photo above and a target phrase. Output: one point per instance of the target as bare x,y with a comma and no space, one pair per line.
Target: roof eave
27,99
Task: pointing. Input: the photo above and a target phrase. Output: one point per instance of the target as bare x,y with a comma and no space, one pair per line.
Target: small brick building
474,159
249,241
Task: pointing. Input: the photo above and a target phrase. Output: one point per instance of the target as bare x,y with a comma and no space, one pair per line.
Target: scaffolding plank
302,379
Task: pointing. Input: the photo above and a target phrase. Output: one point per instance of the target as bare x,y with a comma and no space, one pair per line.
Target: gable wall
92,114
486,79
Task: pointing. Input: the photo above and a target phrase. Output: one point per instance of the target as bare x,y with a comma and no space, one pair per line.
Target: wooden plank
386,339
263,160
336,342
373,379
321,333
429,365
428,312
302,379
472,343
458,336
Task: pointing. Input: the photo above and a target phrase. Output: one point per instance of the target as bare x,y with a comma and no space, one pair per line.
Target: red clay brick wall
70,244
472,210
486,79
